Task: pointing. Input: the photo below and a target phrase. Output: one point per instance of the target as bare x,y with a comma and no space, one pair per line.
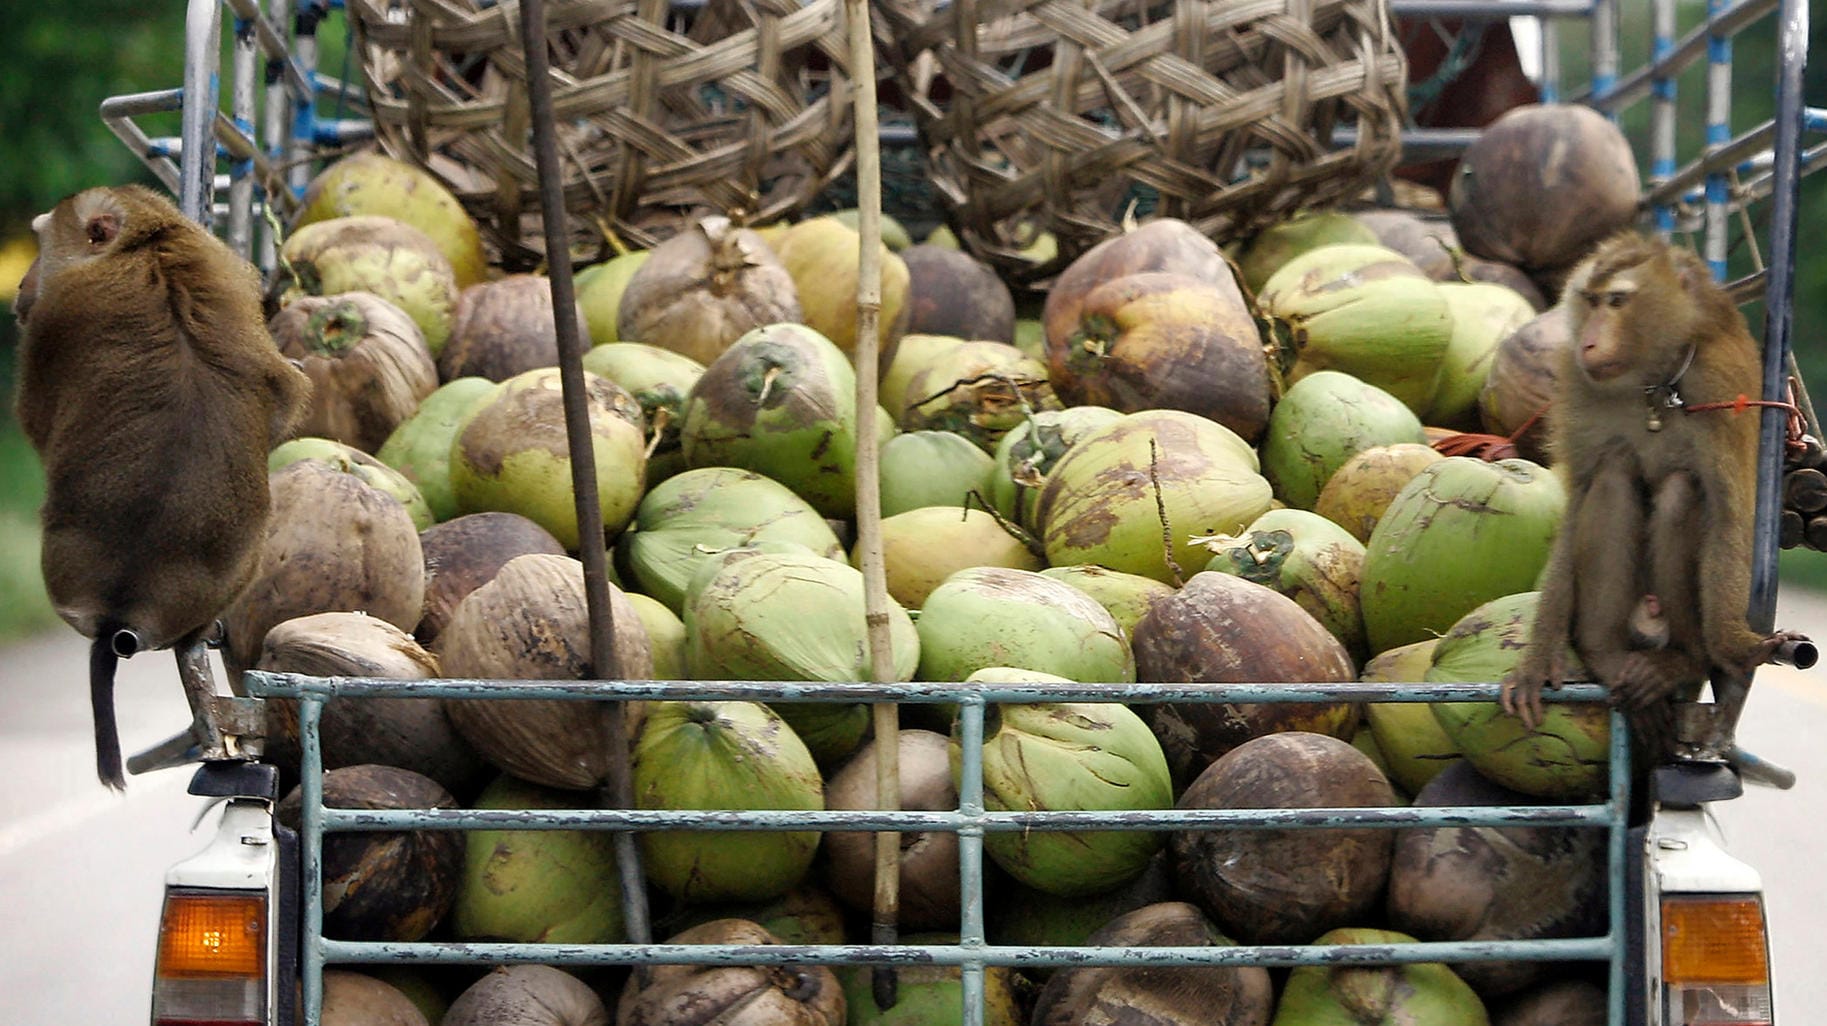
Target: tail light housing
211,968
1715,960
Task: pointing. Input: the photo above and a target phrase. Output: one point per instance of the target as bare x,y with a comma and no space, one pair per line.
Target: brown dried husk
356,999
367,362
1207,996
1522,380
730,995
383,885
930,896
502,328
531,623
527,995
409,733
464,553
703,289
332,544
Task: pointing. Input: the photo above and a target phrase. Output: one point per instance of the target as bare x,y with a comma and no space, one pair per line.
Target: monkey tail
102,660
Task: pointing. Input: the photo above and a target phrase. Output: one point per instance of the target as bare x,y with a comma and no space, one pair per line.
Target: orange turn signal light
212,933
1712,938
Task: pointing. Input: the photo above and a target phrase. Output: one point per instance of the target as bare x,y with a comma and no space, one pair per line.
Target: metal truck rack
262,162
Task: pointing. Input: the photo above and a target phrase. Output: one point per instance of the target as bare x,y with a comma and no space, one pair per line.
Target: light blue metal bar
240,232
1662,112
311,855
1718,133
264,684
1604,51
1572,949
202,38
1732,19
1617,851
1491,10
970,853
1403,816
1550,85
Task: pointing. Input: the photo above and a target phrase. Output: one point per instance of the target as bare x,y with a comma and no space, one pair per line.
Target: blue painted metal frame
971,821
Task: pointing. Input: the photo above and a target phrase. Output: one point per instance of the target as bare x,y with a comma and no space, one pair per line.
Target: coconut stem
868,482
591,547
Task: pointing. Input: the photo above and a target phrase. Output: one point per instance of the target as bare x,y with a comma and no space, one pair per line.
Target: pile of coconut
1181,464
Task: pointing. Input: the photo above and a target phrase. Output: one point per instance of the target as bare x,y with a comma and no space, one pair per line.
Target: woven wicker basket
1064,115
742,105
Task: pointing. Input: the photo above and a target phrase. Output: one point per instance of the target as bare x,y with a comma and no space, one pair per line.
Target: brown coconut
367,362
703,289
527,995
502,328
953,293
1162,245
1357,493
409,733
1543,184
730,995
1159,340
1286,886
929,859
1496,272
1428,241
1556,1003
1522,381
463,554
357,999
332,544
1221,629
1491,883
1208,996
383,885
531,623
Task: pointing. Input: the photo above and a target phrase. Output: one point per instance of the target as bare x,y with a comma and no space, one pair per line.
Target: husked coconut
703,289
367,362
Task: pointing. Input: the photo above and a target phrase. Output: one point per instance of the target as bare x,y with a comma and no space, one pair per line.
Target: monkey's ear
103,228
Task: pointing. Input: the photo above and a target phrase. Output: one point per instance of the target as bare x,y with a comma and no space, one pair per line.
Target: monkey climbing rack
254,162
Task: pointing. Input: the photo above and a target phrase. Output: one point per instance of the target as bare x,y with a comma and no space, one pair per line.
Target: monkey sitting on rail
152,391
1650,428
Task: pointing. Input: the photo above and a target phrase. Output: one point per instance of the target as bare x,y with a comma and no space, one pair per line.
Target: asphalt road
81,868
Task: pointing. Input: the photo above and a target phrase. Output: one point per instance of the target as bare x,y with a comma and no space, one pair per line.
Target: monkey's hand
1522,687
1647,678
1765,651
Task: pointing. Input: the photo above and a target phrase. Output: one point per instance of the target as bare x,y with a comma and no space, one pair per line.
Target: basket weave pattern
1060,115
745,106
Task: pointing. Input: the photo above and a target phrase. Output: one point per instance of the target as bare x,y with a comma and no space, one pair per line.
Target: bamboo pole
868,484
591,549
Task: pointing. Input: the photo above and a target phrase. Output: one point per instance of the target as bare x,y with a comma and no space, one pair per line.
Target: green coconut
1071,756
1324,420
978,389
781,401
1461,533
1128,597
1107,498
1415,747
420,447
556,886
1306,557
374,183
932,468
929,995
683,519
1018,914
1564,758
1418,994
1028,453
1364,310
371,470
724,755
992,616
1484,314
386,257
755,615
659,379
511,453
599,294
665,636
1277,244
923,547
912,355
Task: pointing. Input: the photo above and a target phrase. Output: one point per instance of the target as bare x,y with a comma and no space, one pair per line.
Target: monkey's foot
1784,647
1645,678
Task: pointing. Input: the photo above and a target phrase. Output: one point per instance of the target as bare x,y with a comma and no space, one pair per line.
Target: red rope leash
1796,429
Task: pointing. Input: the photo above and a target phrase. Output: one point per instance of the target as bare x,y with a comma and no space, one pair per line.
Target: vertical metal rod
887,898
311,840
1718,133
591,549
304,121
202,57
1662,111
970,851
276,133
1617,836
1604,54
1779,301
241,174
1551,60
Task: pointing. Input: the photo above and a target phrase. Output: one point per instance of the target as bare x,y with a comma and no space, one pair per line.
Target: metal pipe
1617,850
1718,133
240,233
313,946
591,547
970,854
202,38
1732,20
1662,114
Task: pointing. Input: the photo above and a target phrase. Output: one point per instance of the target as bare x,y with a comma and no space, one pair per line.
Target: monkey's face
1602,313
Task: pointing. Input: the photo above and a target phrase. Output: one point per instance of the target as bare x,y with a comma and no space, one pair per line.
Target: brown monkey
1660,492
152,391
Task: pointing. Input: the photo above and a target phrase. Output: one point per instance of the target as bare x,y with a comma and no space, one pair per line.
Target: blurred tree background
69,55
